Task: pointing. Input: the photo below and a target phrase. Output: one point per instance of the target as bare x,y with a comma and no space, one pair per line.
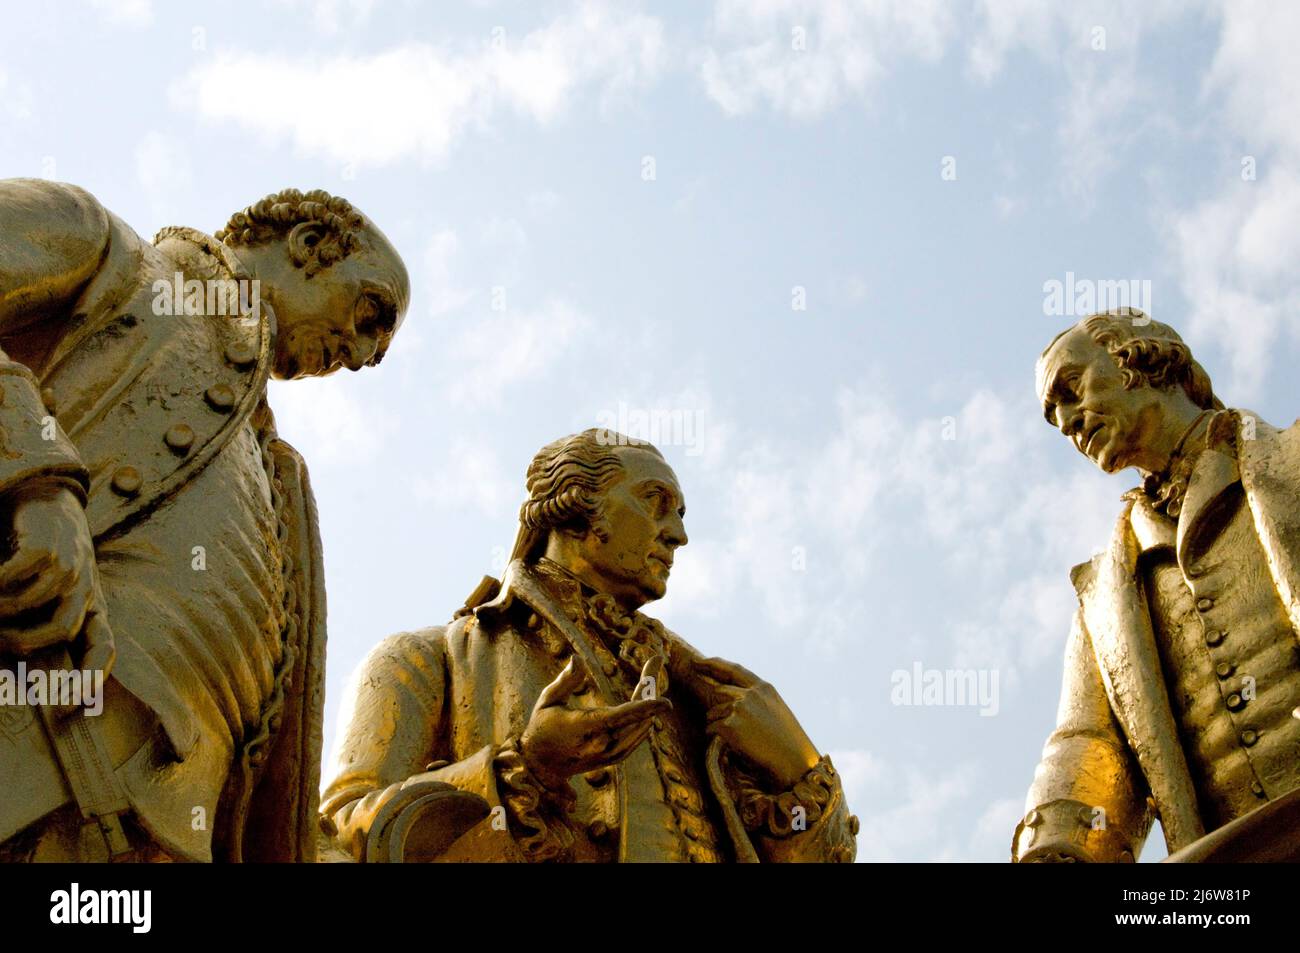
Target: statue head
1123,388
338,287
608,509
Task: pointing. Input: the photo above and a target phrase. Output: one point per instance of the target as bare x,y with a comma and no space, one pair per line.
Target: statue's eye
372,316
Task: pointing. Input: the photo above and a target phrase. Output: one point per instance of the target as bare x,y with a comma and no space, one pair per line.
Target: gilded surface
552,720
1181,669
161,527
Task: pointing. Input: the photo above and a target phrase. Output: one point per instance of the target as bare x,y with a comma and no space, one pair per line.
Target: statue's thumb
100,649
565,684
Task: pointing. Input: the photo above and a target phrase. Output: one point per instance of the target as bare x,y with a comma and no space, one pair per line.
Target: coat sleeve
392,771
809,824
54,239
1088,800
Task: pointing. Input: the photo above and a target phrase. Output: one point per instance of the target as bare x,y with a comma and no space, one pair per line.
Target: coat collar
554,599
547,592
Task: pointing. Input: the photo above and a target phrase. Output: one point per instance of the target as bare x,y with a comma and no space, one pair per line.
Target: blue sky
870,483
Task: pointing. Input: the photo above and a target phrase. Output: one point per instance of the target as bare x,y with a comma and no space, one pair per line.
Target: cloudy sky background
870,482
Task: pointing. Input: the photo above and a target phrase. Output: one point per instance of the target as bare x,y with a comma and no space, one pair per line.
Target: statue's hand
753,720
560,742
49,586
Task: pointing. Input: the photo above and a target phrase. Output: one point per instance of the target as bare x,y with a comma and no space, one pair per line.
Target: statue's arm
809,823
55,237
395,729
396,793
52,240
1088,800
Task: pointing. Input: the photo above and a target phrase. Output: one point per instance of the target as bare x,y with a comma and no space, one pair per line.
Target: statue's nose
1070,418
355,354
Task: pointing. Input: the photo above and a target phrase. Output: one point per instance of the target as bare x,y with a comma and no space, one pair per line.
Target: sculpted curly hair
1147,351
565,481
276,215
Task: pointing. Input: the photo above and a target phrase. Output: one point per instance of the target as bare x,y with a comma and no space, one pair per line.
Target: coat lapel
1119,623
1214,472
640,837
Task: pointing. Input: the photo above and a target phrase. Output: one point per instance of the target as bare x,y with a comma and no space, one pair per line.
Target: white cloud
495,351
803,57
1003,26
162,167
417,100
331,16
16,99
1097,49
133,13
1235,250
439,278
807,521
321,413
478,480
752,61
907,812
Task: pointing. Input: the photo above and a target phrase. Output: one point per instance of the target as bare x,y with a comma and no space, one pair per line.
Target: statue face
1083,395
345,315
641,522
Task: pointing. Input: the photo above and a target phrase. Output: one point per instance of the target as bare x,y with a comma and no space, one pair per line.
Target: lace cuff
793,811
536,812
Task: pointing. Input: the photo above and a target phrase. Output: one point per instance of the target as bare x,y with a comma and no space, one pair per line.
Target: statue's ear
599,527
304,238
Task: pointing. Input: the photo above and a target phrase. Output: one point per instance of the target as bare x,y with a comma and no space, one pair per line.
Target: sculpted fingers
720,712
570,679
45,587
26,581
101,651
632,713
626,740
66,622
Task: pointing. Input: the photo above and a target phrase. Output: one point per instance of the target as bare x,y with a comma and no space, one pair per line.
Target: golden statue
1182,677
553,721
161,533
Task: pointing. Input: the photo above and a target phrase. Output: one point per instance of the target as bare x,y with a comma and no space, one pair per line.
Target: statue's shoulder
1269,457
412,662
1135,518
679,650
414,648
63,235
60,206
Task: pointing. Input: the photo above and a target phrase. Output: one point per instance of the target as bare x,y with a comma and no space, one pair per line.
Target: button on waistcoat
1232,658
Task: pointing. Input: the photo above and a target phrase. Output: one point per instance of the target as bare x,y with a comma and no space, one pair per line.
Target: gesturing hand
751,717
560,742
49,587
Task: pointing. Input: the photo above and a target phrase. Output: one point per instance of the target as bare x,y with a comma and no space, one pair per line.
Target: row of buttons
179,438
1235,701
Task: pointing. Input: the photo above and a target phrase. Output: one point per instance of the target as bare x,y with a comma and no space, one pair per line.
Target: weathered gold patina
162,533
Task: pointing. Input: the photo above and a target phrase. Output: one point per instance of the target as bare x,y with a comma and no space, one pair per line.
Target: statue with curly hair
162,539
552,720
1181,694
